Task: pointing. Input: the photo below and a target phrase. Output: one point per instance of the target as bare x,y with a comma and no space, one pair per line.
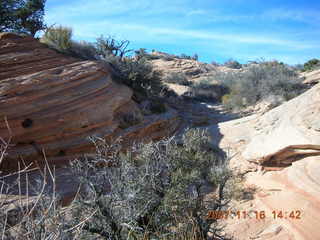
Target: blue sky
216,30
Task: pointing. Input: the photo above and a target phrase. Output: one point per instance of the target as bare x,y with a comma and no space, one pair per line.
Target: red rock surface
53,103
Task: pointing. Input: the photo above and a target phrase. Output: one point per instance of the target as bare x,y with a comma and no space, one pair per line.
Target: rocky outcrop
189,77
312,77
25,55
50,104
280,152
190,68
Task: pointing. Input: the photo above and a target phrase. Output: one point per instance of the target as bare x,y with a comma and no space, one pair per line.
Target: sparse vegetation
129,119
177,78
216,64
259,81
232,64
108,46
156,191
142,53
84,50
153,191
311,65
59,38
207,89
139,75
157,106
136,73
185,56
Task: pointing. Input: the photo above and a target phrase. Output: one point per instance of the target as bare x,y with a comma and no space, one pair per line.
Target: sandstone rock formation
50,104
280,152
194,70
312,77
25,55
178,72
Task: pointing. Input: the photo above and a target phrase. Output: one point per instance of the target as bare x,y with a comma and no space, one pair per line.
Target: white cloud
174,22
140,32
308,16
197,12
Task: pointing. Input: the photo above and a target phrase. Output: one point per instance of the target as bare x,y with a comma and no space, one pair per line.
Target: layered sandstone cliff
50,104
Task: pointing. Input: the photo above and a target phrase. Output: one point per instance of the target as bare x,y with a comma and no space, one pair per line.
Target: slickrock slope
192,69
281,151
312,77
53,103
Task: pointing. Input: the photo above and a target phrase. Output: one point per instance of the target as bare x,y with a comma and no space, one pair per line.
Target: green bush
108,46
207,89
177,78
22,16
127,120
157,190
154,191
157,106
311,65
139,75
258,82
84,50
232,64
59,38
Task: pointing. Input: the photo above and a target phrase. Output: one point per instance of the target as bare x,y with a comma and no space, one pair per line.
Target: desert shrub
84,50
130,119
177,78
258,82
311,65
207,89
36,215
185,56
195,57
141,53
139,75
157,190
107,46
168,58
216,64
59,38
154,191
157,106
232,64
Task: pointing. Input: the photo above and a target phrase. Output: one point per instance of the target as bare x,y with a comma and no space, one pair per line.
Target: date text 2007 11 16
276,214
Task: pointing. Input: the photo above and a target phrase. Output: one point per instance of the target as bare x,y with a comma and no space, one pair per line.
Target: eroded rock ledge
280,152
53,103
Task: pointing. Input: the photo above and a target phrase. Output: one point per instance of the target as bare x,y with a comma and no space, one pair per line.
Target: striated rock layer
25,55
280,151
312,77
50,104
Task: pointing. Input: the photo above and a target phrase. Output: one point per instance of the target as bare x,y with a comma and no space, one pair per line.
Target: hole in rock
61,153
27,123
